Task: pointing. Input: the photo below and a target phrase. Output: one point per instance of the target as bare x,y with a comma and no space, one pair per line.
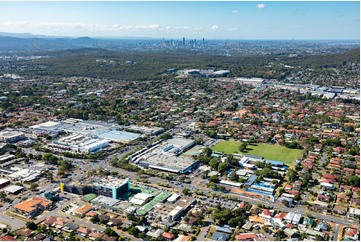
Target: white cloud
260,6
184,27
15,24
61,25
232,29
234,11
214,27
129,27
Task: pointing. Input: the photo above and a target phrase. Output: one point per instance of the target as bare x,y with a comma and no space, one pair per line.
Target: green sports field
268,151
228,147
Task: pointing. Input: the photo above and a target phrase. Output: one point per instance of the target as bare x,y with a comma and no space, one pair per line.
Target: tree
234,176
292,175
214,179
2,196
94,219
207,151
33,186
243,147
213,163
110,232
133,231
31,225
185,191
354,181
222,167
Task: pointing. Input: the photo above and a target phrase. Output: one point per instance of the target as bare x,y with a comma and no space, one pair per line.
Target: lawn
268,151
228,147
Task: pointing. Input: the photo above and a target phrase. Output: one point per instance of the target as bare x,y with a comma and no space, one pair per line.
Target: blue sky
167,19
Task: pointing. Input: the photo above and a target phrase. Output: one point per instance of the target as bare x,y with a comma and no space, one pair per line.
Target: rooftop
111,181
32,204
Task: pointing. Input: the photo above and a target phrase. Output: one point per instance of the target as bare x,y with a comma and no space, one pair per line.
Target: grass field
268,151
228,147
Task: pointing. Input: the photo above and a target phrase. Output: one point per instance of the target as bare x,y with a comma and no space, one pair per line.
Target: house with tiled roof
351,234
95,235
7,238
340,210
83,210
108,238
49,221
33,206
25,233
168,236
83,231
249,237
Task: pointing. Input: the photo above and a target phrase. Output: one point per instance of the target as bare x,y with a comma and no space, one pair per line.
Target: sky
174,20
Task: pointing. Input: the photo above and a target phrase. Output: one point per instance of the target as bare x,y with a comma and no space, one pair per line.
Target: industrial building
165,156
4,182
145,130
11,136
79,143
170,212
89,128
13,189
141,198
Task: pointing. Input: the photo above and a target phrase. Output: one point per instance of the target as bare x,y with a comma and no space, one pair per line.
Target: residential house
224,229
69,227
308,222
321,226
50,221
217,236
39,237
323,198
292,233
353,212
168,236
249,237
247,226
8,238
155,234
342,198
95,235
351,234
340,210
83,231
106,237
25,233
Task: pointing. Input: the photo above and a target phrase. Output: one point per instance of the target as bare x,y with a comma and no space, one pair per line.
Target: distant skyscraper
203,41
184,41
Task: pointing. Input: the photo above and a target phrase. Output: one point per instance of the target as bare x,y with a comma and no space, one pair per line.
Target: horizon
192,20
31,35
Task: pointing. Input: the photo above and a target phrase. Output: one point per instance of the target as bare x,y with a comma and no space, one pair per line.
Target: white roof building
140,199
13,189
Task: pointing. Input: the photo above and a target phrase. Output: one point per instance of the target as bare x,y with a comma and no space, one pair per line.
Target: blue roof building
219,236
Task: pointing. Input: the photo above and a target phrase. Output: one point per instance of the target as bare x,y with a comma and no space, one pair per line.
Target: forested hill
123,65
325,60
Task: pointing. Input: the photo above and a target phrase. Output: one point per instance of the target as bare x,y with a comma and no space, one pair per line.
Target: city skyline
210,20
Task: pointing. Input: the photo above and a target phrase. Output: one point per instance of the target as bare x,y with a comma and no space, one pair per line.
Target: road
197,184
335,232
203,233
14,222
